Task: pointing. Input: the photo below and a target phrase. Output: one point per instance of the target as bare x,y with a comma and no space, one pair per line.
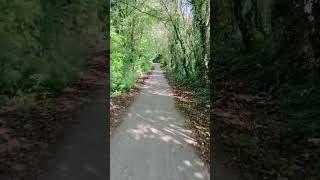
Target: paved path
152,143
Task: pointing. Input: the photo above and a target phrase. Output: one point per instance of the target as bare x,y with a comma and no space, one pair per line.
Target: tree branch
142,10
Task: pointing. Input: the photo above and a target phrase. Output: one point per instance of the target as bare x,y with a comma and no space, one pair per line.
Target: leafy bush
44,46
128,60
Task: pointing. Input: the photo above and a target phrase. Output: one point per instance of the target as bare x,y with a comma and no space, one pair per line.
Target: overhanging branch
144,12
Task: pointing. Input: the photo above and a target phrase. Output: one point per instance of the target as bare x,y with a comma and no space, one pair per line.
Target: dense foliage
273,47
188,40
174,32
44,45
132,45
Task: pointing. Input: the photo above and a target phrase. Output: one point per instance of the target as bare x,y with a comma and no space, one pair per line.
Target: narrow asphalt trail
153,143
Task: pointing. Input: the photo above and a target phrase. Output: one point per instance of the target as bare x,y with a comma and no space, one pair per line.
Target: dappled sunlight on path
153,142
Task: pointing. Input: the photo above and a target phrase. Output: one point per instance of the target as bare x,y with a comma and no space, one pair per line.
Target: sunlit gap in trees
175,31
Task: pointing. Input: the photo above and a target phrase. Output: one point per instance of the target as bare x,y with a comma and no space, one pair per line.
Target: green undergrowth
126,67
200,90
44,46
123,85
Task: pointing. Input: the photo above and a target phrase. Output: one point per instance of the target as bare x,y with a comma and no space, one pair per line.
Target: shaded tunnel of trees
271,48
264,48
175,32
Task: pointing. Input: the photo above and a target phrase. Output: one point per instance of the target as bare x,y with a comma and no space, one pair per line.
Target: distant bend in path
153,143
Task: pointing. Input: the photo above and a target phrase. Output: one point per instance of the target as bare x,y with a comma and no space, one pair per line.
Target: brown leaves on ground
120,104
251,129
26,133
197,115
